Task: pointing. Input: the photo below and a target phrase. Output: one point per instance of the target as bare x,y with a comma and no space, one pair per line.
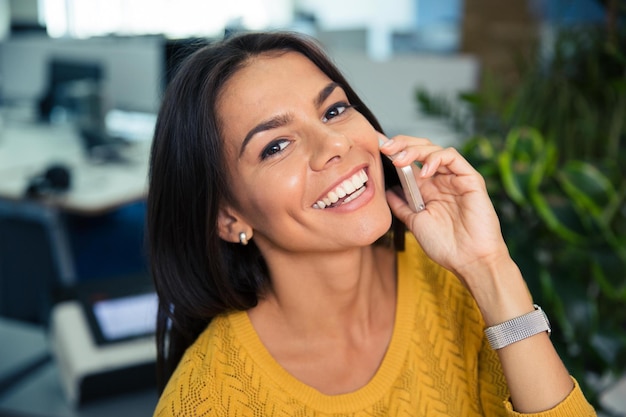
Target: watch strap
518,328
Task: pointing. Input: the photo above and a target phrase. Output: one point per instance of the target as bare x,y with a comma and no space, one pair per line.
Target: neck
340,293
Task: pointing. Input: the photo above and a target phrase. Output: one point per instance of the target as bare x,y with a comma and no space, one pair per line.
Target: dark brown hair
197,275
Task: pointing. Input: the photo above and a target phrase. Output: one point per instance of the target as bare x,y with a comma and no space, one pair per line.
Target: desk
40,394
26,149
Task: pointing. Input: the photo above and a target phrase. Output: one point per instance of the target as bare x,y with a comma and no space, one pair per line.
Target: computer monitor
62,73
75,94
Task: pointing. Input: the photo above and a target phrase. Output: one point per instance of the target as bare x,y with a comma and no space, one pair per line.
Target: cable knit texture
438,363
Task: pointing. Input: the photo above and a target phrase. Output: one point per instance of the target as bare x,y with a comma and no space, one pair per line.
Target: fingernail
383,142
424,170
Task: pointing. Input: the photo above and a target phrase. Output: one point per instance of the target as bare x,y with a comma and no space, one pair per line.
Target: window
173,18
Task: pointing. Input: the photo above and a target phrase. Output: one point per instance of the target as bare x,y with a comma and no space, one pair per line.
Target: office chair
32,263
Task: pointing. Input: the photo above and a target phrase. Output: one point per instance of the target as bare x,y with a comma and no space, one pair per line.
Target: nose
329,146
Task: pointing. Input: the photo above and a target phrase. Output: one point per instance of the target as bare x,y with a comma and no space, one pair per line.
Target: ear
230,224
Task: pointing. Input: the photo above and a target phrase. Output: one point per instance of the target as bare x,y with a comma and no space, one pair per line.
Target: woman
270,209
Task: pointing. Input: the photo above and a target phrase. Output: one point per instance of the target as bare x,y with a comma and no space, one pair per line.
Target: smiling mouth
345,192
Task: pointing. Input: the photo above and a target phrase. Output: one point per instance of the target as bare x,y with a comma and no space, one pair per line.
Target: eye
274,147
335,110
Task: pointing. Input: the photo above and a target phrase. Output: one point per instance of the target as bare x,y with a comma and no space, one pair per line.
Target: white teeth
346,188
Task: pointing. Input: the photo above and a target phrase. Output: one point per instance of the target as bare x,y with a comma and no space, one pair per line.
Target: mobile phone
409,185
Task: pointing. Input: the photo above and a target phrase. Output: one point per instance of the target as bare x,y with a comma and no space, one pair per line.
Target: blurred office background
80,84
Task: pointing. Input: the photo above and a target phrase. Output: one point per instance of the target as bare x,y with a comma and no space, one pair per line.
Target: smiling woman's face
304,165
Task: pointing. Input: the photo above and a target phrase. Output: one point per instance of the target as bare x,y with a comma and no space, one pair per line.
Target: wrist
499,290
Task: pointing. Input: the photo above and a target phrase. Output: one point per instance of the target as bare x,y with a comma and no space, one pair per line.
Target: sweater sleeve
574,405
492,386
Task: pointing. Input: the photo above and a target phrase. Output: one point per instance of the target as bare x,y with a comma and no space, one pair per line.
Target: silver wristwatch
518,328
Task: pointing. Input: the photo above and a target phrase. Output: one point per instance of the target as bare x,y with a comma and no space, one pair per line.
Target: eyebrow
283,119
325,93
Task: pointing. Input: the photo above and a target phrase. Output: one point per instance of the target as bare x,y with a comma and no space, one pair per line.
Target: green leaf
479,148
610,274
471,98
527,157
588,188
558,215
510,179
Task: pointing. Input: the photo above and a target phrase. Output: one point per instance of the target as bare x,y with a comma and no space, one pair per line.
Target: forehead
270,77
276,65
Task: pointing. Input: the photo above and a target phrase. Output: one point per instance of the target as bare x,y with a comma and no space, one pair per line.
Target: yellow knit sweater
437,364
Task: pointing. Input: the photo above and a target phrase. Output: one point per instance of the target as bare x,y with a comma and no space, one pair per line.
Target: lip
363,198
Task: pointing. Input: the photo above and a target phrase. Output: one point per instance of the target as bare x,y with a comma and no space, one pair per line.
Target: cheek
267,195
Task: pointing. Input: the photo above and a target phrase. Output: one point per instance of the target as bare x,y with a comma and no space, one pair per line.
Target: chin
374,230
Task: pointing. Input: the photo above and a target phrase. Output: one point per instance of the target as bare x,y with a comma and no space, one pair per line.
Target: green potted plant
553,153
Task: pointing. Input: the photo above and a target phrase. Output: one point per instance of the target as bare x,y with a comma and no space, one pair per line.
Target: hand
459,228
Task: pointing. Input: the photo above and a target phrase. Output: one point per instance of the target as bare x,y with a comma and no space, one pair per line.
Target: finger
402,154
405,140
398,144
446,161
405,150
411,140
